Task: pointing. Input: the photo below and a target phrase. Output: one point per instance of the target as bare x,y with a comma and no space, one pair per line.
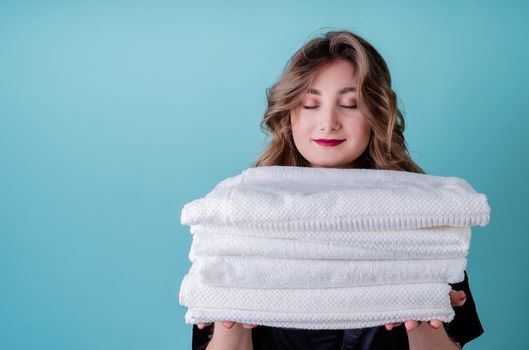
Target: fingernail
435,326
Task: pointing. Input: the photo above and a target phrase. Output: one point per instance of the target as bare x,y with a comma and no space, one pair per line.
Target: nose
329,119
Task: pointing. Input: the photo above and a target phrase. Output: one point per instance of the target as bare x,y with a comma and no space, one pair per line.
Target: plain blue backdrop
114,114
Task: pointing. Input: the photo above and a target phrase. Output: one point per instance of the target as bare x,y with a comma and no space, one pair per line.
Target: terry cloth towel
305,198
212,244
258,272
439,236
316,308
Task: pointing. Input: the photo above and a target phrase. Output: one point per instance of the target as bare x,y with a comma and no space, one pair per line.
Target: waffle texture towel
303,198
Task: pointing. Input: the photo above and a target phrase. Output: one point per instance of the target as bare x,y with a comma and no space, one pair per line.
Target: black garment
463,328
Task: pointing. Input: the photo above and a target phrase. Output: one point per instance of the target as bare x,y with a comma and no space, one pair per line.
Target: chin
330,164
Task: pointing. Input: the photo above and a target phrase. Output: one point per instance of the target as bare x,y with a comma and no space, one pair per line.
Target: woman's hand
233,336
457,298
226,324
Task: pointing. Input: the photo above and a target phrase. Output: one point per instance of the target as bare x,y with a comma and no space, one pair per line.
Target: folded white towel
360,305
212,244
325,320
258,272
304,198
430,236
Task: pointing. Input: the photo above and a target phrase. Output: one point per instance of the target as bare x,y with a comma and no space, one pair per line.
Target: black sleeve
466,325
201,337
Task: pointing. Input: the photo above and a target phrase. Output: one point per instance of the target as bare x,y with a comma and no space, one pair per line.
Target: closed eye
348,107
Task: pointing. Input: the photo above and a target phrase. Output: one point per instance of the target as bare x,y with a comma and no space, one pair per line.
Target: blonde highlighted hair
387,148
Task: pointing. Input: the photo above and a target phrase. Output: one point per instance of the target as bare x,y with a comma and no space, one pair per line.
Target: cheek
359,128
300,126
294,126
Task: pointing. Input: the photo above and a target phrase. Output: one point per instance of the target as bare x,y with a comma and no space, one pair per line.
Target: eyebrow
341,91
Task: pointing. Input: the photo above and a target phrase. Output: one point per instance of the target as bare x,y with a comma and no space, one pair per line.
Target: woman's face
329,111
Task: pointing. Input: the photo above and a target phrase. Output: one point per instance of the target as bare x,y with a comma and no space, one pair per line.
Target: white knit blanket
316,308
259,272
304,198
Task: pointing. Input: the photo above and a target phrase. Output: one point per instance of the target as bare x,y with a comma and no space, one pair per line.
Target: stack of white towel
328,248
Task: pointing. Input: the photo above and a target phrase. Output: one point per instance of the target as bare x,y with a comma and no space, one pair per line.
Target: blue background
113,115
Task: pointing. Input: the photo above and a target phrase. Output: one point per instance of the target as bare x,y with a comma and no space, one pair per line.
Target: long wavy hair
387,148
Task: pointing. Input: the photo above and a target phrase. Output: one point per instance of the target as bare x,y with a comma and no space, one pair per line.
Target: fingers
457,298
411,325
250,326
202,325
390,326
228,324
436,324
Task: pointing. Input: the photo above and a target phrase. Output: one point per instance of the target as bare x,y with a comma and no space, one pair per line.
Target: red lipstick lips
328,142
